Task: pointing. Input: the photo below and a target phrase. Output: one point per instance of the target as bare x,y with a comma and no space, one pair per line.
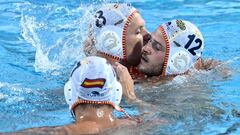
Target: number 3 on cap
198,41
100,19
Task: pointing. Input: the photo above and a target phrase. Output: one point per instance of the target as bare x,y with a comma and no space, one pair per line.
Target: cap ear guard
117,93
179,62
68,93
109,41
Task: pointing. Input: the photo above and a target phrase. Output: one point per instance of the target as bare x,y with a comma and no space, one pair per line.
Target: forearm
42,131
126,81
128,91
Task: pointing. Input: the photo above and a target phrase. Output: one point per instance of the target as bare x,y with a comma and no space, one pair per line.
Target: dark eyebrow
141,27
158,42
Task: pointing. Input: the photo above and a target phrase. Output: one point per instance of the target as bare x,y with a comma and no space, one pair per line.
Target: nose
146,49
144,31
146,36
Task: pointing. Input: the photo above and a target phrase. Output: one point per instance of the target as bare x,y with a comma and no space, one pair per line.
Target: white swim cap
184,46
93,81
111,22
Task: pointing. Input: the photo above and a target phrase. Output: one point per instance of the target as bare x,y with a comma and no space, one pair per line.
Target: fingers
116,64
90,30
91,37
120,66
90,42
125,80
121,70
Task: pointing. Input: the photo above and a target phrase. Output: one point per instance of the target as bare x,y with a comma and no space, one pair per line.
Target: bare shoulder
41,130
87,127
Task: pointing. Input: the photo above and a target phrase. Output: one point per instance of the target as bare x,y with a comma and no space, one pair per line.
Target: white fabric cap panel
93,79
186,46
108,28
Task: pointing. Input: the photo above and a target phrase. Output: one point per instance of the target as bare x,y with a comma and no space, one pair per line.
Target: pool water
41,40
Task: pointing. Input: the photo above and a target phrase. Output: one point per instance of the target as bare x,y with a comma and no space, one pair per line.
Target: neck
99,114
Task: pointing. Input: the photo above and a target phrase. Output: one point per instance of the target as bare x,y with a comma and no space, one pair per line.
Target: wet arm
73,129
89,47
126,81
42,131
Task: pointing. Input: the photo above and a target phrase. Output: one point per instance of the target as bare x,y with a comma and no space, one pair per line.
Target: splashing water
41,40
57,34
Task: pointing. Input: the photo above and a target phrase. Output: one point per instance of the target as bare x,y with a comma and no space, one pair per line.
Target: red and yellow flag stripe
92,83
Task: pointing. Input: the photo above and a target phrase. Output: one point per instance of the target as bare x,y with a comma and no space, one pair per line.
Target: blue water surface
41,40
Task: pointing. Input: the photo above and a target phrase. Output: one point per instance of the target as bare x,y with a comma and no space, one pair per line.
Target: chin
133,60
142,68
134,57
149,71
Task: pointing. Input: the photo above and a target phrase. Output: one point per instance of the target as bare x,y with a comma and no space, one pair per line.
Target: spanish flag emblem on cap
92,83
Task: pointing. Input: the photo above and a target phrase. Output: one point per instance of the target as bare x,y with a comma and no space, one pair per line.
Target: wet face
153,54
134,39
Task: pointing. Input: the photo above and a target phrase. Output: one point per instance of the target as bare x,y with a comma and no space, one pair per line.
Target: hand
211,64
89,44
126,81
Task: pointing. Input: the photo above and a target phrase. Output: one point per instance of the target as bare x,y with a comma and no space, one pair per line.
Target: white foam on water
57,36
1,85
56,32
28,26
15,92
2,96
180,79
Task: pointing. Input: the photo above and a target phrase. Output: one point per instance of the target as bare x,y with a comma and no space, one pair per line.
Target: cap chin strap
118,108
131,118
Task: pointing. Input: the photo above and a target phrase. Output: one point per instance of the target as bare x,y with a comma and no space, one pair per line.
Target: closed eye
156,45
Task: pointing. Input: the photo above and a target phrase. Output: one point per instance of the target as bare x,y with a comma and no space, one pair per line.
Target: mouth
144,58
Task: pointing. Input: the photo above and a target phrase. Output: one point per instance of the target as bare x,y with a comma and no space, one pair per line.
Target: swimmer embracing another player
118,34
